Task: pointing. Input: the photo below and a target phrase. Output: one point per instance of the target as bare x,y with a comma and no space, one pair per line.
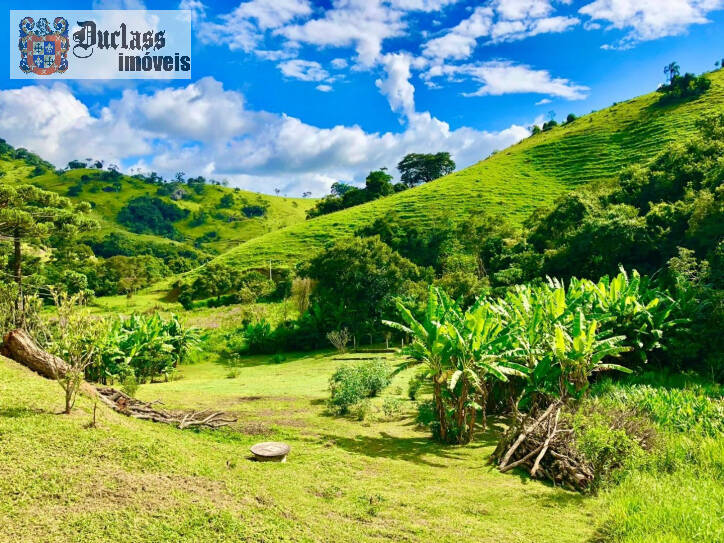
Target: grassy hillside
511,183
280,212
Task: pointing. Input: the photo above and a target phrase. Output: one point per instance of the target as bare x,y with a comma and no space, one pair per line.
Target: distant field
512,183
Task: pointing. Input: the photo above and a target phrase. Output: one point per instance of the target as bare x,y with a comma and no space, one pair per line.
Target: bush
683,410
392,407
346,389
129,385
351,384
414,385
375,376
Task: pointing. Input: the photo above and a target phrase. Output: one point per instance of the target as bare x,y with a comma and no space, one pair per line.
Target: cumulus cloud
504,77
460,42
304,70
204,129
362,24
245,26
650,19
396,84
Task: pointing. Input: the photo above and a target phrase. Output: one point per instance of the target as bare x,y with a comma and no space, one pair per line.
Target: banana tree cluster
463,352
551,336
144,346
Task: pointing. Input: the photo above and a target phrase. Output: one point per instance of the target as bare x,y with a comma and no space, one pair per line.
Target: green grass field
280,211
512,183
381,479
345,480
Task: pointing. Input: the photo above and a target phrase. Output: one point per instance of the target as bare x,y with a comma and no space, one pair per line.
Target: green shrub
278,358
346,389
414,385
392,407
233,373
129,385
609,441
375,376
683,410
351,384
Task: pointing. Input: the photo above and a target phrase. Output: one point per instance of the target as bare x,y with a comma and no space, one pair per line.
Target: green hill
512,183
231,224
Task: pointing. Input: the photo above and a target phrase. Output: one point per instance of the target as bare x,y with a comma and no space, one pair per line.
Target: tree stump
270,451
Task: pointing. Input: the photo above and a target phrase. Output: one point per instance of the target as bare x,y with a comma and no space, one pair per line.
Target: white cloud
650,19
460,42
196,7
118,4
339,63
204,129
504,77
304,70
245,26
396,85
324,88
53,123
500,77
543,102
362,24
421,5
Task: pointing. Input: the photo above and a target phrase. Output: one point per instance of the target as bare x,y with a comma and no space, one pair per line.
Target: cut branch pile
543,445
126,405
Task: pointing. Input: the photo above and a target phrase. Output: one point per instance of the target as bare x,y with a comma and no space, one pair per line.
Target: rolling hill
231,224
512,183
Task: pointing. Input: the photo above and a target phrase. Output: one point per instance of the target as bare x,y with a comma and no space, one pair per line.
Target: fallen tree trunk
19,346
131,407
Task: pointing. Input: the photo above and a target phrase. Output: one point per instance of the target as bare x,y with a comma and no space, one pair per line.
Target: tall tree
30,215
672,70
378,184
418,168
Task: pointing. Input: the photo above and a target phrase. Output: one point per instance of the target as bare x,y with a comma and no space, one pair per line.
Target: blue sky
297,94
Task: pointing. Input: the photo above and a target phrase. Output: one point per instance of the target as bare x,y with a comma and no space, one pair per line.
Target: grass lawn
345,480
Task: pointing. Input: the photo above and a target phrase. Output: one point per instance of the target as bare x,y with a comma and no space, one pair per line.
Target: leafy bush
129,385
253,211
414,385
350,384
346,388
684,86
392,406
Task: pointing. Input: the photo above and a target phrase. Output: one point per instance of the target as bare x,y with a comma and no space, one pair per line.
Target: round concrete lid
270,449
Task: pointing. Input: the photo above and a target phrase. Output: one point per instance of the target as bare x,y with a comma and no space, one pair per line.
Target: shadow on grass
412,449
21,412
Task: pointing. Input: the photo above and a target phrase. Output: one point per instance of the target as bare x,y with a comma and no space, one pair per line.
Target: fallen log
131,407
20,347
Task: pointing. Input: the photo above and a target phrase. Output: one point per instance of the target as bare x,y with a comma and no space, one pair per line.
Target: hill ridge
593,148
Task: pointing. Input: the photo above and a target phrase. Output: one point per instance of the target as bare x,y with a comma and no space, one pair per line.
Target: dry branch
131,407
541,443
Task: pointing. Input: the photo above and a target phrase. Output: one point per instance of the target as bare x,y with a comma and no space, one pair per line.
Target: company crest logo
43,51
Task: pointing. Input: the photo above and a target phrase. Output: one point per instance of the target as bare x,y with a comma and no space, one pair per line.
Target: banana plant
463,352
575,353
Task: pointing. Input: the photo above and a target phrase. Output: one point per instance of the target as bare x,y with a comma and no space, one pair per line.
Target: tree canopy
418,168
30,215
